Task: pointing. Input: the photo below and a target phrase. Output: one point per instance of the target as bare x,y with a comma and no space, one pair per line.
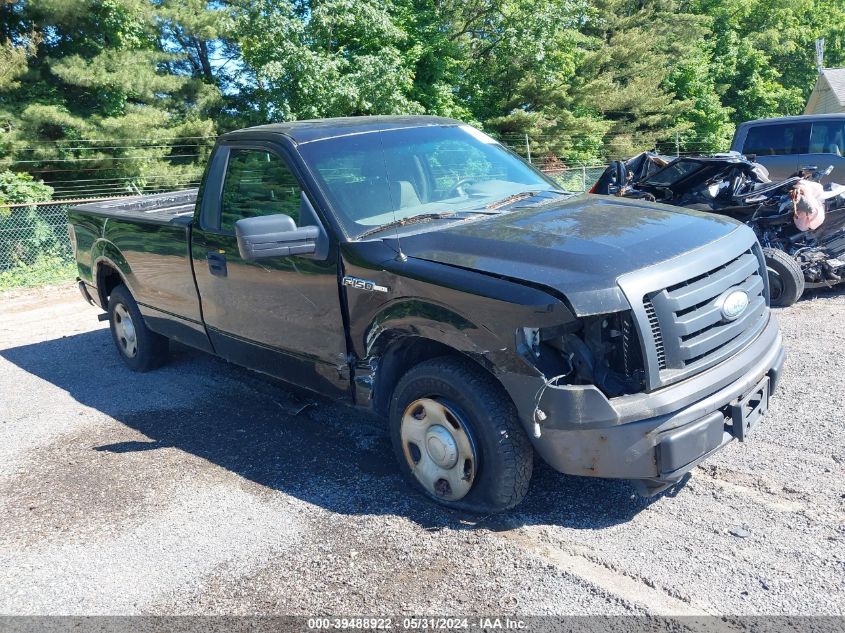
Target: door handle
216,264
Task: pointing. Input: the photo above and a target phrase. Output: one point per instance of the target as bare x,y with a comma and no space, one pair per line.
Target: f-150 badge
363,284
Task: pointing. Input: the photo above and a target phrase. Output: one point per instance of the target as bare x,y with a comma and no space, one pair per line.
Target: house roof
836,78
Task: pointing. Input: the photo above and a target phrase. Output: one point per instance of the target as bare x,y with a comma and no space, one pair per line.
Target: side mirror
274,236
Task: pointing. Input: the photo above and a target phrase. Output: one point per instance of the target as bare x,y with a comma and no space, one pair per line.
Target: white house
828,96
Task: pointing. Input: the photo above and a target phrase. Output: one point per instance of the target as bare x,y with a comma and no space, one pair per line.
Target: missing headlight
601,350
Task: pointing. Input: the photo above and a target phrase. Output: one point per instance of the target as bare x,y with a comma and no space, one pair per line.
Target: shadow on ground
823,293
321,451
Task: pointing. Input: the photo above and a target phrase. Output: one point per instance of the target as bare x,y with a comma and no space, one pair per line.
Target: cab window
777,139
257,183
376,178
828,137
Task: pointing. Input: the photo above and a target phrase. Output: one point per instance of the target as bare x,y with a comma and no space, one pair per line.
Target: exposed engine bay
601,350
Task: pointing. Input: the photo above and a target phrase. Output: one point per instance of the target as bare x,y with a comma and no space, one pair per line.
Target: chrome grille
654,324
686,318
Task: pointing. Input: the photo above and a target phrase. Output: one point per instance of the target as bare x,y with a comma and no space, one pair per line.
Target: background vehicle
731,185
415,266
785,145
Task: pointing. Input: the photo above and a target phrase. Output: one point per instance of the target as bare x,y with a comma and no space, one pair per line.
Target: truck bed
146,239
173,207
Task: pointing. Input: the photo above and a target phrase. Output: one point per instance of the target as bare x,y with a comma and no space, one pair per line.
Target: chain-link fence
35,249
34,244
31,231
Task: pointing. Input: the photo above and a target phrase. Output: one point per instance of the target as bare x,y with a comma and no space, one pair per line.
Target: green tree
584,79
101,70
706,121
20,188
765,51
326,58
630,50
507,65
13,62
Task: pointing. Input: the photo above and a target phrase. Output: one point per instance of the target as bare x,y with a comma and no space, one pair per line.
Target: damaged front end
647,393
602,350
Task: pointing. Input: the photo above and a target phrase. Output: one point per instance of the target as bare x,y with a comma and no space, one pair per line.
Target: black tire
503,455
786,279
147,350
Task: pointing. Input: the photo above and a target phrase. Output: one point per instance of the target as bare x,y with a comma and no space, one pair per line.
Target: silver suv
786,144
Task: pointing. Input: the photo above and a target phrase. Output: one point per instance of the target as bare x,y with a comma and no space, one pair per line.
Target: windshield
674,172
377,178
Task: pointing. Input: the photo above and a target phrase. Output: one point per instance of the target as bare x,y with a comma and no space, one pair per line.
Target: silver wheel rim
124,329
438,449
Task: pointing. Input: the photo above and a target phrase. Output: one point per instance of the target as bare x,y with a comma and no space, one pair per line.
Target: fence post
677,143
527,148
583,176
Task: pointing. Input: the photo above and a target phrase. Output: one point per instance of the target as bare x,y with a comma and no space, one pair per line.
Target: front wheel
457,437
139,347
786,279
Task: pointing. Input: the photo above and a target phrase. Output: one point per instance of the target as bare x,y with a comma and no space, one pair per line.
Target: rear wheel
457,437
139,347
786,279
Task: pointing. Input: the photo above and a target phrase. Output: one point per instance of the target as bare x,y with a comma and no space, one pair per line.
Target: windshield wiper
546,201
490,209
419,219
519,196
522,195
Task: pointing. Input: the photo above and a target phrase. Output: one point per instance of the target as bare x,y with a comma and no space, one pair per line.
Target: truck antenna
400,255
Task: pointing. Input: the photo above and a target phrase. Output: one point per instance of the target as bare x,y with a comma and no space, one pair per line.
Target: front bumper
657,437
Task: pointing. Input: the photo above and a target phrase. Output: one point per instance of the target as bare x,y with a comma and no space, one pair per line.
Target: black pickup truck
416,267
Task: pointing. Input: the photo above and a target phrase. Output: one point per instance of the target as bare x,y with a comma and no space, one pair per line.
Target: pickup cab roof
321,129
798,118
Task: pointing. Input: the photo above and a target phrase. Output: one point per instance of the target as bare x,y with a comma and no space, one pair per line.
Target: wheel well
107,280
401,355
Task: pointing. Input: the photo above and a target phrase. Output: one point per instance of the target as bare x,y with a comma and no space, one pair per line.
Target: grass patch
47,269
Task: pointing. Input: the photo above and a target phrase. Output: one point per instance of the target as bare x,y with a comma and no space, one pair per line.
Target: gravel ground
202,488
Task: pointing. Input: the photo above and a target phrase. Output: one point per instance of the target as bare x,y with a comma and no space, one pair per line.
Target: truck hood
577,247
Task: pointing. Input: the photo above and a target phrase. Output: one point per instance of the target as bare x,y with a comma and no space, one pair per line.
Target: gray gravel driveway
202,488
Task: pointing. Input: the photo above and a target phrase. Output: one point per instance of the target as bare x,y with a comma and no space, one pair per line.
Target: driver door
277,315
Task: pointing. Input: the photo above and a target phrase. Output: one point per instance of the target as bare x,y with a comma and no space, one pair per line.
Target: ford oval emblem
734,304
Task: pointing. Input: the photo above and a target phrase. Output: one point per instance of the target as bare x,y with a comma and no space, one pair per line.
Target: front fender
426,319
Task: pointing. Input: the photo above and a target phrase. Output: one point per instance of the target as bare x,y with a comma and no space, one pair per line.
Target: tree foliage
18,188
136,89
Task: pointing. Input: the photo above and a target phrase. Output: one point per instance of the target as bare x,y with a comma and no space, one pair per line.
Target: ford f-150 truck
416,267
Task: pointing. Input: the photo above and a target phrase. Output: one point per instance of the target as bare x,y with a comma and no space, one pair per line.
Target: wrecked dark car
799,222
416,267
